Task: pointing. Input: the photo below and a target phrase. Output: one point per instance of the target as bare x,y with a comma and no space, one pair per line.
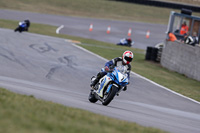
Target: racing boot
94,82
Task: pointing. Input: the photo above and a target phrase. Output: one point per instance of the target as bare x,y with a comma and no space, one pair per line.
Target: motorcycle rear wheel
92,97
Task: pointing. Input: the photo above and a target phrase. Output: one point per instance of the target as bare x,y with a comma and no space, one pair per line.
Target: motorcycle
23,26
109,86
125,42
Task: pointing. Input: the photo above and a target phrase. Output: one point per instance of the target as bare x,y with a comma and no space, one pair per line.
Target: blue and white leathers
22,24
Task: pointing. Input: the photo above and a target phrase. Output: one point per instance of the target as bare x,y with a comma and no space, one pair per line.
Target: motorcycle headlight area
122,78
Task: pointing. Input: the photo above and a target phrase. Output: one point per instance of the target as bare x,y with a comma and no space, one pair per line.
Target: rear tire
110,95
92,97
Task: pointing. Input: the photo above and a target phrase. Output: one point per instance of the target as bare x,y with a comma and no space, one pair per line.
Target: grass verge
22,114
107,9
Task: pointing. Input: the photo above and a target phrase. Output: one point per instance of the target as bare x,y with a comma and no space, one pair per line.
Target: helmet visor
129,59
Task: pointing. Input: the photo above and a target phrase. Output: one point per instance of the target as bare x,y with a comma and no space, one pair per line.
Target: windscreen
122,69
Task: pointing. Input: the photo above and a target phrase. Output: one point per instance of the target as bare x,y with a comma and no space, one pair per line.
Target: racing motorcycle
126,42
109,86
23,26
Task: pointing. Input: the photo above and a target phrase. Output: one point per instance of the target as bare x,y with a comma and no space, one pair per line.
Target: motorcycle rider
124,60
125,42
129,41
25,24
28,23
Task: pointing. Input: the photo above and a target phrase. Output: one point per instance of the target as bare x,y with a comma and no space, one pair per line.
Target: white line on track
59,28
140,76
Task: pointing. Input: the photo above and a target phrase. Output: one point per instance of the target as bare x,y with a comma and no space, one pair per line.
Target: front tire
109,97
92,97
16,29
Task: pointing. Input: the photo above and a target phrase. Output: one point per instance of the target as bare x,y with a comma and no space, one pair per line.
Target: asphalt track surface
77,26
55,70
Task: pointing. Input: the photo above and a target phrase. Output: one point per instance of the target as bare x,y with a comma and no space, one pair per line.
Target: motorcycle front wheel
109,97
16,29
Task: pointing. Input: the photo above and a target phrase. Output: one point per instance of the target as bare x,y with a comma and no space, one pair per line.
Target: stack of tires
159,54
152,54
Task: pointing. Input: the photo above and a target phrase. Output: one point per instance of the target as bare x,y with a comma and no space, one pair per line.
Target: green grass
93,8
25,114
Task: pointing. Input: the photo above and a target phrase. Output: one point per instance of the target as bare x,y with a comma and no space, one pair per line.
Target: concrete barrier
182,58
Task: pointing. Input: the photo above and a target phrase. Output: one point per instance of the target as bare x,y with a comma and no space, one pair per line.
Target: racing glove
106,68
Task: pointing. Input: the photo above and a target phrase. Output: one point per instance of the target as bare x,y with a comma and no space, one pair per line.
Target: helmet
127,57
129,39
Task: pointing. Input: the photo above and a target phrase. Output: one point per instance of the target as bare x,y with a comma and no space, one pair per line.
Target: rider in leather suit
124,60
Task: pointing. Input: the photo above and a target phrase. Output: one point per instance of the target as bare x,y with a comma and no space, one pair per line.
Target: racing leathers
111,64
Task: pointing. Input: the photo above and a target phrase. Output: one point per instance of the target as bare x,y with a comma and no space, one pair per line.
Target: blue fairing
102,84
115,77
109,87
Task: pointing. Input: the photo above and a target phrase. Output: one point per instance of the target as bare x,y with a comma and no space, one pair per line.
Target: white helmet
127,57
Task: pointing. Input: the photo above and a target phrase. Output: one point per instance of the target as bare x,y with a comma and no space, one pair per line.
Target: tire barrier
148,53
153,54
159,54
164,4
